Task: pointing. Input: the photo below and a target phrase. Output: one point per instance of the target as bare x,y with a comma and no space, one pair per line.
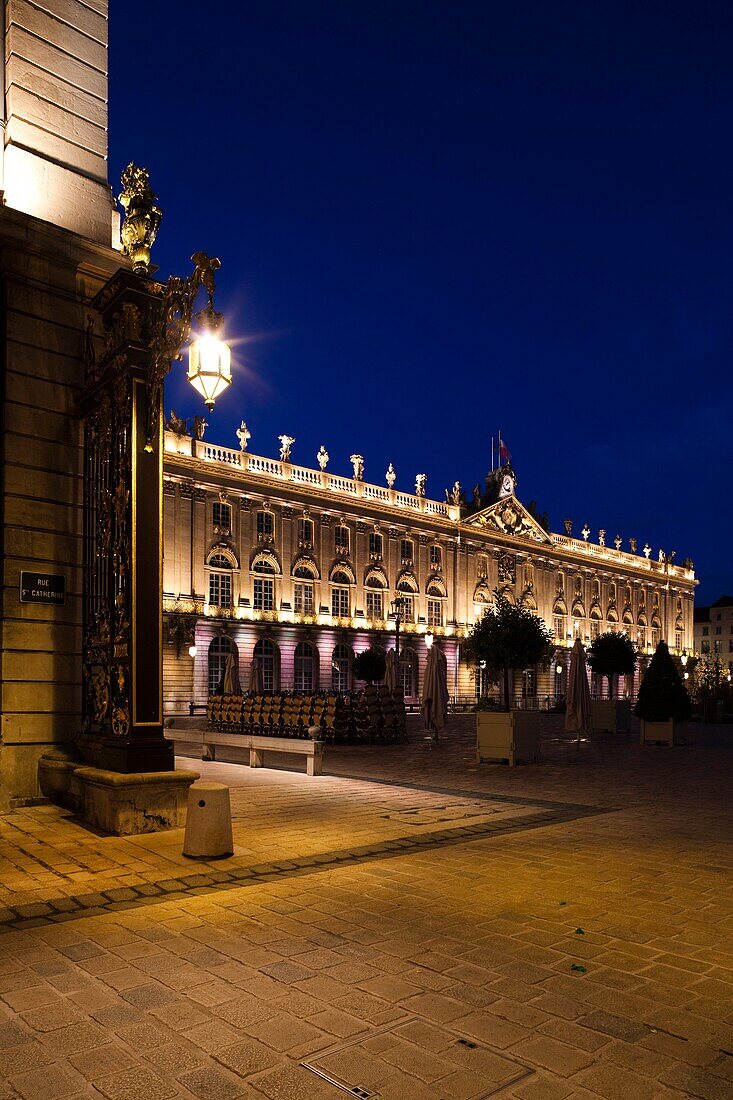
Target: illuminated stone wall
55,235
55,84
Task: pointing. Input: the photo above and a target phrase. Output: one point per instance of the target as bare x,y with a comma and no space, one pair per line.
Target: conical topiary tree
662,693
612,655
507,637
370,665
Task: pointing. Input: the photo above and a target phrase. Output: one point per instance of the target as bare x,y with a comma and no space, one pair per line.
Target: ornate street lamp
396,612
209,358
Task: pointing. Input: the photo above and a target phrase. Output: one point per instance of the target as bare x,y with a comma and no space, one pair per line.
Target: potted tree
370,665
509,638
612,655
663,705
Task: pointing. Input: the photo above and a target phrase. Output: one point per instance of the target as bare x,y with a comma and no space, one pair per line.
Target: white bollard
208,822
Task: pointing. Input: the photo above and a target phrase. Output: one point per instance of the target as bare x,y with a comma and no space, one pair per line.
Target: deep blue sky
441,219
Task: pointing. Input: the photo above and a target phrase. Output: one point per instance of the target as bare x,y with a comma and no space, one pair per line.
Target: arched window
341,580
264,566
341,669
408,673
219,650
375,584
435,593
267,656
306,569
304,669
304,589
220,581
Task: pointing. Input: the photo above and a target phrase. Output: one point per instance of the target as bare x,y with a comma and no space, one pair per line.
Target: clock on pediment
508,483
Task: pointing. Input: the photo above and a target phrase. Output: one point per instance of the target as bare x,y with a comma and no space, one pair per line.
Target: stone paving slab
595,950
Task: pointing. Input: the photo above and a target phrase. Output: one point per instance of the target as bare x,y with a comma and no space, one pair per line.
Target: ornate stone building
57,231
296,568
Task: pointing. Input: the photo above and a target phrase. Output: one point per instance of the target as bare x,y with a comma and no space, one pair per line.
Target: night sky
438,220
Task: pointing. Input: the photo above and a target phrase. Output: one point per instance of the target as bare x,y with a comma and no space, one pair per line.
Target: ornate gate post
122,663
145,324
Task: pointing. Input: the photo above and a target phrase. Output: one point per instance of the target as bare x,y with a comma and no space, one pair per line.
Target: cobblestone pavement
437,931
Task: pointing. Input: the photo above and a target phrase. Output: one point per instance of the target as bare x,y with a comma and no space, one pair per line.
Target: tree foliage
612,655
662,693
370,665
507,637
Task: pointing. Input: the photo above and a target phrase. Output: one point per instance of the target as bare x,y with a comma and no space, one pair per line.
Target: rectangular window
340,603
264,594
265,524
705,631
718,630
220,589
222,517
595,629
705,648
304,599
482,566
374,605
408,609
341,540
435,613
305,534
558,626
436,557
375,546
407,551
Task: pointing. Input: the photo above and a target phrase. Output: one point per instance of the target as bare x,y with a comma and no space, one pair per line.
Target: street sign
42,587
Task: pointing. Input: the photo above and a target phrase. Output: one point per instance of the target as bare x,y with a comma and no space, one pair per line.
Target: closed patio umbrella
390,674
232,685
577,714
255,678
435,691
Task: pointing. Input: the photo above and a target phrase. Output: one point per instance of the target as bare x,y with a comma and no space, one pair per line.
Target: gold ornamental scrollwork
173,327
142,217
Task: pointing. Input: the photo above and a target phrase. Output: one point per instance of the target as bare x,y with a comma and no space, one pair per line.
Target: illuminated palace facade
296,568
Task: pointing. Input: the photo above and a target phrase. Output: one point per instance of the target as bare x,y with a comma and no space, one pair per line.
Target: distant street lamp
397,612
429,640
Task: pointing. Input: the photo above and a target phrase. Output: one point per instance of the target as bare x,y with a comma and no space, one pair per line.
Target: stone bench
208,741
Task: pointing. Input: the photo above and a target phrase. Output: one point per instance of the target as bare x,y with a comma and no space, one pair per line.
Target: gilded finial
142,217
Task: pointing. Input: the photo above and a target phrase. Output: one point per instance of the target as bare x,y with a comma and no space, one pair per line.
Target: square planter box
611,715
512,737
663,733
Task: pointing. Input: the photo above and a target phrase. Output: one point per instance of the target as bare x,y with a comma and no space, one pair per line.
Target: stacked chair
375,714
